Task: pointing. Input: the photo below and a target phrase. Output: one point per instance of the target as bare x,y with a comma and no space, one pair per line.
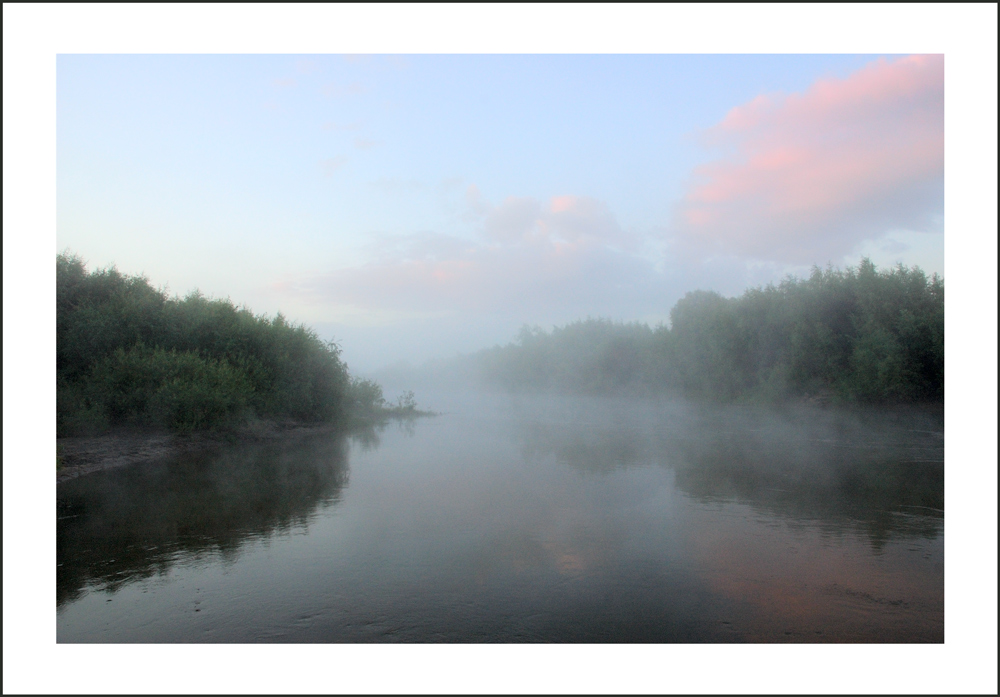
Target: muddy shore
82,456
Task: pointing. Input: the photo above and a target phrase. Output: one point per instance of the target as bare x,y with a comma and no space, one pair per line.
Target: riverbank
85,455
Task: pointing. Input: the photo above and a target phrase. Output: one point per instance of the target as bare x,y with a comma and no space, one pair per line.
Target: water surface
528,519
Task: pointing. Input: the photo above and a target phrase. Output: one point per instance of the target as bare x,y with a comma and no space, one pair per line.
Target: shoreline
83,455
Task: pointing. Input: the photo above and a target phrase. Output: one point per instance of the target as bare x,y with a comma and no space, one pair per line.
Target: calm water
523,520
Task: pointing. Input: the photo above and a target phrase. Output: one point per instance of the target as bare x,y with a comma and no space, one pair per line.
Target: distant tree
858,335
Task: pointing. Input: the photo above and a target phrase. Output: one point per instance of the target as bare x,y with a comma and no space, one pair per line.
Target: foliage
179,390
366,397
368,404
406,402
128,355
858,335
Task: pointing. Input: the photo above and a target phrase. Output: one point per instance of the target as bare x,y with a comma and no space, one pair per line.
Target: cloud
365,143
475,206
560,259
515,219
567,221
576,220
809,176
284,82
332,164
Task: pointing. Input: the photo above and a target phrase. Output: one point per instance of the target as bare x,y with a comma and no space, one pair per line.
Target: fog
509,517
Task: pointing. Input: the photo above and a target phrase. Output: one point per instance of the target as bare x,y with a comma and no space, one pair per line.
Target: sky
415,206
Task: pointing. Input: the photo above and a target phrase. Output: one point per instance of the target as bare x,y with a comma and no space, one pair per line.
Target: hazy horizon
415,207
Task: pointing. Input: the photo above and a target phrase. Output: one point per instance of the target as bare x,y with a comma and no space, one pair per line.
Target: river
523,519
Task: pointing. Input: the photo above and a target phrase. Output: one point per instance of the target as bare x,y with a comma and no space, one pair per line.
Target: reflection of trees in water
881,472
594,450
369,438
121,525
879,490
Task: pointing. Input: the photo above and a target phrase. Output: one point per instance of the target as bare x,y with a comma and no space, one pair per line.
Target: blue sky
388,200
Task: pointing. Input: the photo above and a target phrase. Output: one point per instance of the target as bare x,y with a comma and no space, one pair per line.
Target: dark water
524,520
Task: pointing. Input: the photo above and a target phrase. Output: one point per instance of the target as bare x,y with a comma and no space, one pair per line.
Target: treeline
128,355
857,335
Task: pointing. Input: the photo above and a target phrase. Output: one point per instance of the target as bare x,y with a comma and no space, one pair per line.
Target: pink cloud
562,203
811,175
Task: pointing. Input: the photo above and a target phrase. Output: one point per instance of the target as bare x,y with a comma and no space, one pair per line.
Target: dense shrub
126,354
366,397
179,390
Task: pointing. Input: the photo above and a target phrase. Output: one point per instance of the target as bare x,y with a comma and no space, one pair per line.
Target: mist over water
524,518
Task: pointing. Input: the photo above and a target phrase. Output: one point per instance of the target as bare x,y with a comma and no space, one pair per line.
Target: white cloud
560,259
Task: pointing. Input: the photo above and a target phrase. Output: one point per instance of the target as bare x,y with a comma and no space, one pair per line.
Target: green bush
366,396
127,355
177,390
